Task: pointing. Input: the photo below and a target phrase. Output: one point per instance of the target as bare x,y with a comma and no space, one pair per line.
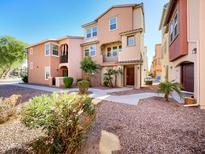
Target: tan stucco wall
138,20
144,67
202,54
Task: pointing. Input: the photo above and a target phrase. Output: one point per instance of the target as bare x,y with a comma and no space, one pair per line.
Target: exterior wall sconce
194,51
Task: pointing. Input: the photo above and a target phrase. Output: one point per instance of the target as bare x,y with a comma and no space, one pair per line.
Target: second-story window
47,49
55,49
131,41
94,31
174,28
114,51
88,33
87,52
113,23
108,52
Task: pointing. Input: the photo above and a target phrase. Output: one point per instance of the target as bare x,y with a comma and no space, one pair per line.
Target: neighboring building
116,40
156,69
185,26
52,59
165,46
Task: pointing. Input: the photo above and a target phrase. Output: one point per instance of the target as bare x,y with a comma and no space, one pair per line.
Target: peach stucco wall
124,15
179,46
40,61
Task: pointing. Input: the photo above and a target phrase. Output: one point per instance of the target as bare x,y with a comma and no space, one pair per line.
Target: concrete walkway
99,94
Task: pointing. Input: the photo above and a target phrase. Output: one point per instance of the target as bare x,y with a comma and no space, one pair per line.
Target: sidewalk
98,94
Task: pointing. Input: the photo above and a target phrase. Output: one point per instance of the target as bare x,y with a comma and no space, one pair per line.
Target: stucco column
120,76
202,56
137,76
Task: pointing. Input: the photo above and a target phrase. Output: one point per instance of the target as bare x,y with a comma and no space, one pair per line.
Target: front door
187,77
130,75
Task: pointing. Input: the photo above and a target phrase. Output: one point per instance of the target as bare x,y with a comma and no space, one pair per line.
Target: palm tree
168,87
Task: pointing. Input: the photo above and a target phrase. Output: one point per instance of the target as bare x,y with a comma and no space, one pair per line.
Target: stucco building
156,63
116,40
50,60
183,22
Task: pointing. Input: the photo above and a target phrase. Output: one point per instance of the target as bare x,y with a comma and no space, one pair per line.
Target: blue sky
34,20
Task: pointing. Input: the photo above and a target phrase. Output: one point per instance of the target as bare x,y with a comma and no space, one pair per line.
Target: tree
168,87
108,77
12,53
89,67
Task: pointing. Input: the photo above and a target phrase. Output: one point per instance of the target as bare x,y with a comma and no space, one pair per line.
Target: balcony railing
64,59
110,59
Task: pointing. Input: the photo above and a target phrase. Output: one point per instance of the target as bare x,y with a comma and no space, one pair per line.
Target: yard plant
7,107
89,67
110,75
68,81
83,86
64,118
168,87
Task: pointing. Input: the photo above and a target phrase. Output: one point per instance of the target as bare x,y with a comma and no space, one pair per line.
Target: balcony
64,59
110,59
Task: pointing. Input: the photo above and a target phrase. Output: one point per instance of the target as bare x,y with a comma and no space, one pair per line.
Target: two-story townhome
164,46
50,60
185,21
156,63
116,40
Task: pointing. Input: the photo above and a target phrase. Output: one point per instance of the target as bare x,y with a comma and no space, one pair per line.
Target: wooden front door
130,75
187,77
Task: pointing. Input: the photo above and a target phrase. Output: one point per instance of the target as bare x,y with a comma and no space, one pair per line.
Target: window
120,48
108,52
87,52
92,50
55,49
31,65
94,31
47,72
91,32
47,49
31,51
88,33
131,41
113,23
173,28
114,51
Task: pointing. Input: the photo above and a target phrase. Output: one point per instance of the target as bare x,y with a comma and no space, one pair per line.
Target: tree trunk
166,96
115,80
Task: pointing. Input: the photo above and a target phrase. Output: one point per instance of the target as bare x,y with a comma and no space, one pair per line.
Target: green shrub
24,78
68,81
7,107
168,87
65,118
83,86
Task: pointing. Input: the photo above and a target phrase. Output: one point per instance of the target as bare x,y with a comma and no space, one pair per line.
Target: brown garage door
130,75
187,77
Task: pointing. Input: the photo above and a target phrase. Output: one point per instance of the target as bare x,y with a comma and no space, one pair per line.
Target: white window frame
110,23
52,49
172,27
134,41
49,47
89,49
47,69
91,32
112,51
31,51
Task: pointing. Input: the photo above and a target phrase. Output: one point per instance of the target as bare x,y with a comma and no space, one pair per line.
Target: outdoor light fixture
194,51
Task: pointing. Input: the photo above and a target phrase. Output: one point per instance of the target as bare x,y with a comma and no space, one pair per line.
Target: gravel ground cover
135,91
152,126
26,93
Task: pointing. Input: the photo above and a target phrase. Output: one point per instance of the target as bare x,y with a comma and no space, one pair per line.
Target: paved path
100,94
